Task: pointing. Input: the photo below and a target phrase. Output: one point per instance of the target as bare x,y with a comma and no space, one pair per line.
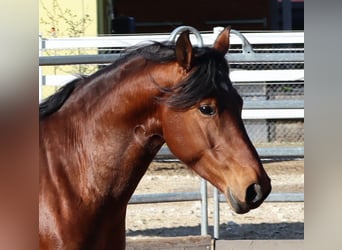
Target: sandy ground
272,220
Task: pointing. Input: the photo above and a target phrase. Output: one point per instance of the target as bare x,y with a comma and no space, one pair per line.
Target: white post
204,207
40,69
216,214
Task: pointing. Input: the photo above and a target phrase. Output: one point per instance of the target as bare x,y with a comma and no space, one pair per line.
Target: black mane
208,77
55,101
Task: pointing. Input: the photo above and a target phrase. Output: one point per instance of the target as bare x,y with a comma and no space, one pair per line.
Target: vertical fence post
204,207
216,214
40,70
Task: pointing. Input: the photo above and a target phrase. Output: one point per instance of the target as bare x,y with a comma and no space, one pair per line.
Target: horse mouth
238,206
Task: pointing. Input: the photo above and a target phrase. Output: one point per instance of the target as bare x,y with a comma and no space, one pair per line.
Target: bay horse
98,135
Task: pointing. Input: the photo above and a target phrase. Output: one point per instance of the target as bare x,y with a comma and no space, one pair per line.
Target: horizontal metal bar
281,152
196,196
165,152
269,75
299,82
238,77
293,37
265,57
285,197
264,114
165,197
274,104
78,59
276,197
110,58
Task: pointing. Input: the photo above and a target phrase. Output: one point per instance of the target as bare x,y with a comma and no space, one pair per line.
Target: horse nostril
253,193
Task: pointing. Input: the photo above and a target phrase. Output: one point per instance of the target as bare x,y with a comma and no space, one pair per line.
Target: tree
63,22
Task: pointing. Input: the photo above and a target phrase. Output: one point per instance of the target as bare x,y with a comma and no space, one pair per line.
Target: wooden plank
170,243
259,244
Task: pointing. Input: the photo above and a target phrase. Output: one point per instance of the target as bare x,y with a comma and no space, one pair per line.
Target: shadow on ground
232,230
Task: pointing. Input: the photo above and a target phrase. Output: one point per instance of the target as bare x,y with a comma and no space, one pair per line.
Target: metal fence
269,76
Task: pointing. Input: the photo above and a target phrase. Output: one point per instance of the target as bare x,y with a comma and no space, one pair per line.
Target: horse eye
207,110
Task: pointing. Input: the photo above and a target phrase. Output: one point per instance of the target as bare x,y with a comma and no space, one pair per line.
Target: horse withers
98,135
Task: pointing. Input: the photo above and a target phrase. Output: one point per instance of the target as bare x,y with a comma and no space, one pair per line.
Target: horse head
202,125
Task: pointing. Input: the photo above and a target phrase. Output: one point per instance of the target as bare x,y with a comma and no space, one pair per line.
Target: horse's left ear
222,41
184,53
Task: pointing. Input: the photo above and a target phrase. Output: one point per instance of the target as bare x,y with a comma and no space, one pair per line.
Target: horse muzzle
254,196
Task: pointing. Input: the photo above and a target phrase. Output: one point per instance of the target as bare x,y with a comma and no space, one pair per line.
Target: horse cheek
180,136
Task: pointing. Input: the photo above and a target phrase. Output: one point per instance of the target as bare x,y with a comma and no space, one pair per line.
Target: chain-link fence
273,132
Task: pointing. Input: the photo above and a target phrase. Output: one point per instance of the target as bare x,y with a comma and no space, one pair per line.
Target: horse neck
112,137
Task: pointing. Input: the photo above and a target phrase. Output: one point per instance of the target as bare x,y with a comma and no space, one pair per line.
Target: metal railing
260,109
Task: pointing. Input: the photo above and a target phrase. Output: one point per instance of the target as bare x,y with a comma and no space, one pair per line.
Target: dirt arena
272,220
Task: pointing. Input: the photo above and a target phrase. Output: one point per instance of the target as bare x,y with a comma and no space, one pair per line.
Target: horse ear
184,51
222,41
